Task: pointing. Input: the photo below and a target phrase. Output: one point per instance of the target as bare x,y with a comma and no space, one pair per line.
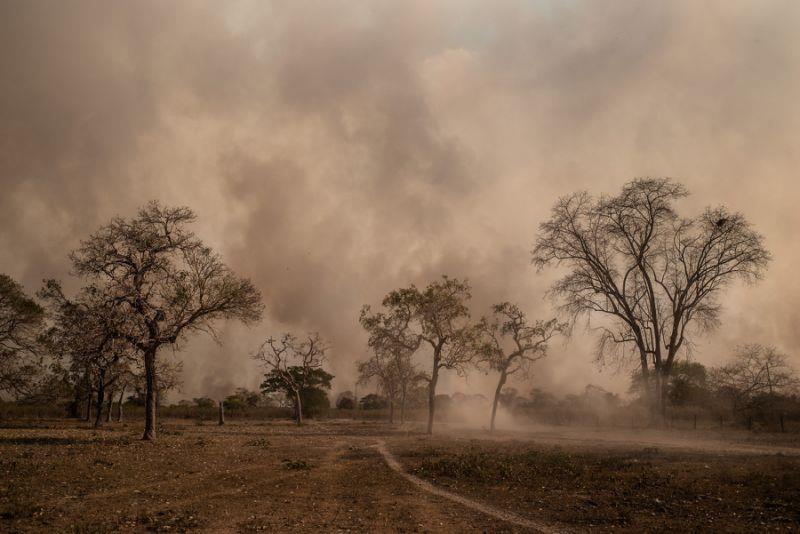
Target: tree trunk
89,399
391,411
298,408
74,406
403,406
662,378
119,405
432,393
109,405
150,398
500,384
221,413
101,394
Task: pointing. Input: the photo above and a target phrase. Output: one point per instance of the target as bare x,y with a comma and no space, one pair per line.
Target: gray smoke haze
334,151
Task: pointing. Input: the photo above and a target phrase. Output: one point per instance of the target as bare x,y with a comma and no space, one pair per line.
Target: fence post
221,413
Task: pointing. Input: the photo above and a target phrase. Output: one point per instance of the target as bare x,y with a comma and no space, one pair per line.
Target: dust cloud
334,151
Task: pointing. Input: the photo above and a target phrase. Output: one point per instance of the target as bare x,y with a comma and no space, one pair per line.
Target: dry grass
618,489
61,476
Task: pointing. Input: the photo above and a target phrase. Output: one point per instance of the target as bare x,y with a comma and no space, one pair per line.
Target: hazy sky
334,151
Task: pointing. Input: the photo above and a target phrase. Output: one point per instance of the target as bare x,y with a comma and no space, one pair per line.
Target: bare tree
509,344
755,372
436,316
653,276
21,319
292,365
166,283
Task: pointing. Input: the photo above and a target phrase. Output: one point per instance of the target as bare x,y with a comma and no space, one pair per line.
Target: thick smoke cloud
334,151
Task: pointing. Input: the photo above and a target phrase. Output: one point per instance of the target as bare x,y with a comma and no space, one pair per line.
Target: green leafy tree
294,365
242,398
305,389
203,402
688,384
373,401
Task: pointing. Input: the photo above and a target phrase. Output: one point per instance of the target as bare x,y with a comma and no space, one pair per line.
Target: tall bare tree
165,281
292,365
509,344
437,317
21,320
654,277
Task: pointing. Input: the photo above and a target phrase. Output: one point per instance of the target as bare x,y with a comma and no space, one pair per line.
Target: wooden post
221,413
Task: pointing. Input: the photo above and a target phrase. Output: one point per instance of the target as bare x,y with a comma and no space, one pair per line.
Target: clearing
59,476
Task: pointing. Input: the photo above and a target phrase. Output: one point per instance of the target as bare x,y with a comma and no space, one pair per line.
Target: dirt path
502,515
348,488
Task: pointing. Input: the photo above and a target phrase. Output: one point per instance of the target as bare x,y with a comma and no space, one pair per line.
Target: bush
315,402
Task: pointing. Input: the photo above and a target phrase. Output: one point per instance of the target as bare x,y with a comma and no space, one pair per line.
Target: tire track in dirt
497,513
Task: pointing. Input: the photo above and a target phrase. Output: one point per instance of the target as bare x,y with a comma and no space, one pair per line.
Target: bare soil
59,476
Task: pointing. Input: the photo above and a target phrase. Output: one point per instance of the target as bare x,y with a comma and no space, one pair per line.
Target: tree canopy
21,319
164,282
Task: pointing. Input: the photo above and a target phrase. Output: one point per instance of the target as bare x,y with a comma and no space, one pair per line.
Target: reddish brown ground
60,477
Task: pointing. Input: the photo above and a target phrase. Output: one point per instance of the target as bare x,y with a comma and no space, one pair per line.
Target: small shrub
260,442
296,464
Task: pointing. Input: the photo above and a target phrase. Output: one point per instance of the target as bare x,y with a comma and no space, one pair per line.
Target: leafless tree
290,364
165,281
653,276
756,371
437,317
509,344
21,320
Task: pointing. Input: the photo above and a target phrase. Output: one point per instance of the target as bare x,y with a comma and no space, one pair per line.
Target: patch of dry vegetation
59,476
631,490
